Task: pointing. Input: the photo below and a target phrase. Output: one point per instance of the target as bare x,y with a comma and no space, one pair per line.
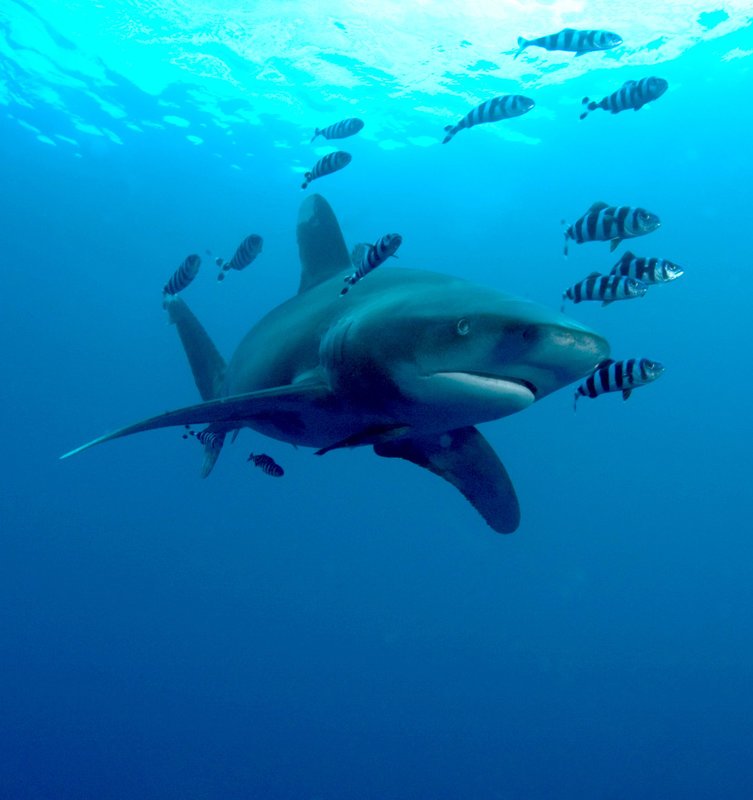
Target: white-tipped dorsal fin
321,246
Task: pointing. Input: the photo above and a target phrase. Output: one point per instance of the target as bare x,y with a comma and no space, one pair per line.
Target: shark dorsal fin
321,246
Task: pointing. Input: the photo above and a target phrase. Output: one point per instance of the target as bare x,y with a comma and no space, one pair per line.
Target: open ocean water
354,629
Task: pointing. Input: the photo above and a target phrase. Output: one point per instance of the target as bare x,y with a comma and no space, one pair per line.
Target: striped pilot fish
619,376
366,257
212,441
632,94
247,251
502,107
182,276
572,41
266,464
602,223
340,130
648,270
332,162
606,288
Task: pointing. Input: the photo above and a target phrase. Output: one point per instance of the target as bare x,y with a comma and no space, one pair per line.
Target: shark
408,362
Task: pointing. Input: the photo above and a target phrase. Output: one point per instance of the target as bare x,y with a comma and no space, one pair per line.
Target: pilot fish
648,270
619,376
366,257
502,107
247,251
182,276
332,162
606,288
603,222
632,94
340,130
266,464
572,41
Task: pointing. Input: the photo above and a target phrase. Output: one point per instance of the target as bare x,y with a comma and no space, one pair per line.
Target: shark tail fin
206,363
212,449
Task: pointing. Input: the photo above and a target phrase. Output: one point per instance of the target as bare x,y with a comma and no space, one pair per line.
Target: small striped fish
247,251
340,130
602,223
210,439
648,270
502,107
572,41
182,276
632,94
332,162
212,442
619,376
366,257
267,464
606,288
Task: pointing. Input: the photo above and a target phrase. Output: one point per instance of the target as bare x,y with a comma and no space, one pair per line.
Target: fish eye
463,326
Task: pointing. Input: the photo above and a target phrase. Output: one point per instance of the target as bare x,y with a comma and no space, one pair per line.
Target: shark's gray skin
408,362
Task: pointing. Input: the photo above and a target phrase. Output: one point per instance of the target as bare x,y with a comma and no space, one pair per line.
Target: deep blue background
355,630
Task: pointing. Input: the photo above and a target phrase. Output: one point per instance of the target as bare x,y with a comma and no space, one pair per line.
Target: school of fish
628,279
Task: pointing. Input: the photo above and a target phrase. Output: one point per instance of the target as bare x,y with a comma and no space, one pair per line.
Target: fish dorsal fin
321,246
599,205
593,275
628,255
465,459
605,363
628,84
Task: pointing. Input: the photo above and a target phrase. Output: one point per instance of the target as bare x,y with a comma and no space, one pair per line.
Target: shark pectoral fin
282,401
465,459
207,364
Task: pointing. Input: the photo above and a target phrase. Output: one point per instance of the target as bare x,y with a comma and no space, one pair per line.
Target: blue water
355,630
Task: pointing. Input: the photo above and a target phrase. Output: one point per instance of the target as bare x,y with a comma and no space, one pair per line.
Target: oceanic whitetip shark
407,361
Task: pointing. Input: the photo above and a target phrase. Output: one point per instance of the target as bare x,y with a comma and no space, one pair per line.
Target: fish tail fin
562,304
316,133
212,452
308,177
585,102
207,365
575,402
451,131
522,44
566,238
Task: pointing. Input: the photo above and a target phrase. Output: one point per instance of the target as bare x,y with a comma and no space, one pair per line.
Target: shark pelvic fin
465,459
321,246
207,365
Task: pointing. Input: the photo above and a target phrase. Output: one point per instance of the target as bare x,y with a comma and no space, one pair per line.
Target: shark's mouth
490,381
523,390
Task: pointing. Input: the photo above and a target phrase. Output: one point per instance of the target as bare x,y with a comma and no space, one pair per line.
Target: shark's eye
463,326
